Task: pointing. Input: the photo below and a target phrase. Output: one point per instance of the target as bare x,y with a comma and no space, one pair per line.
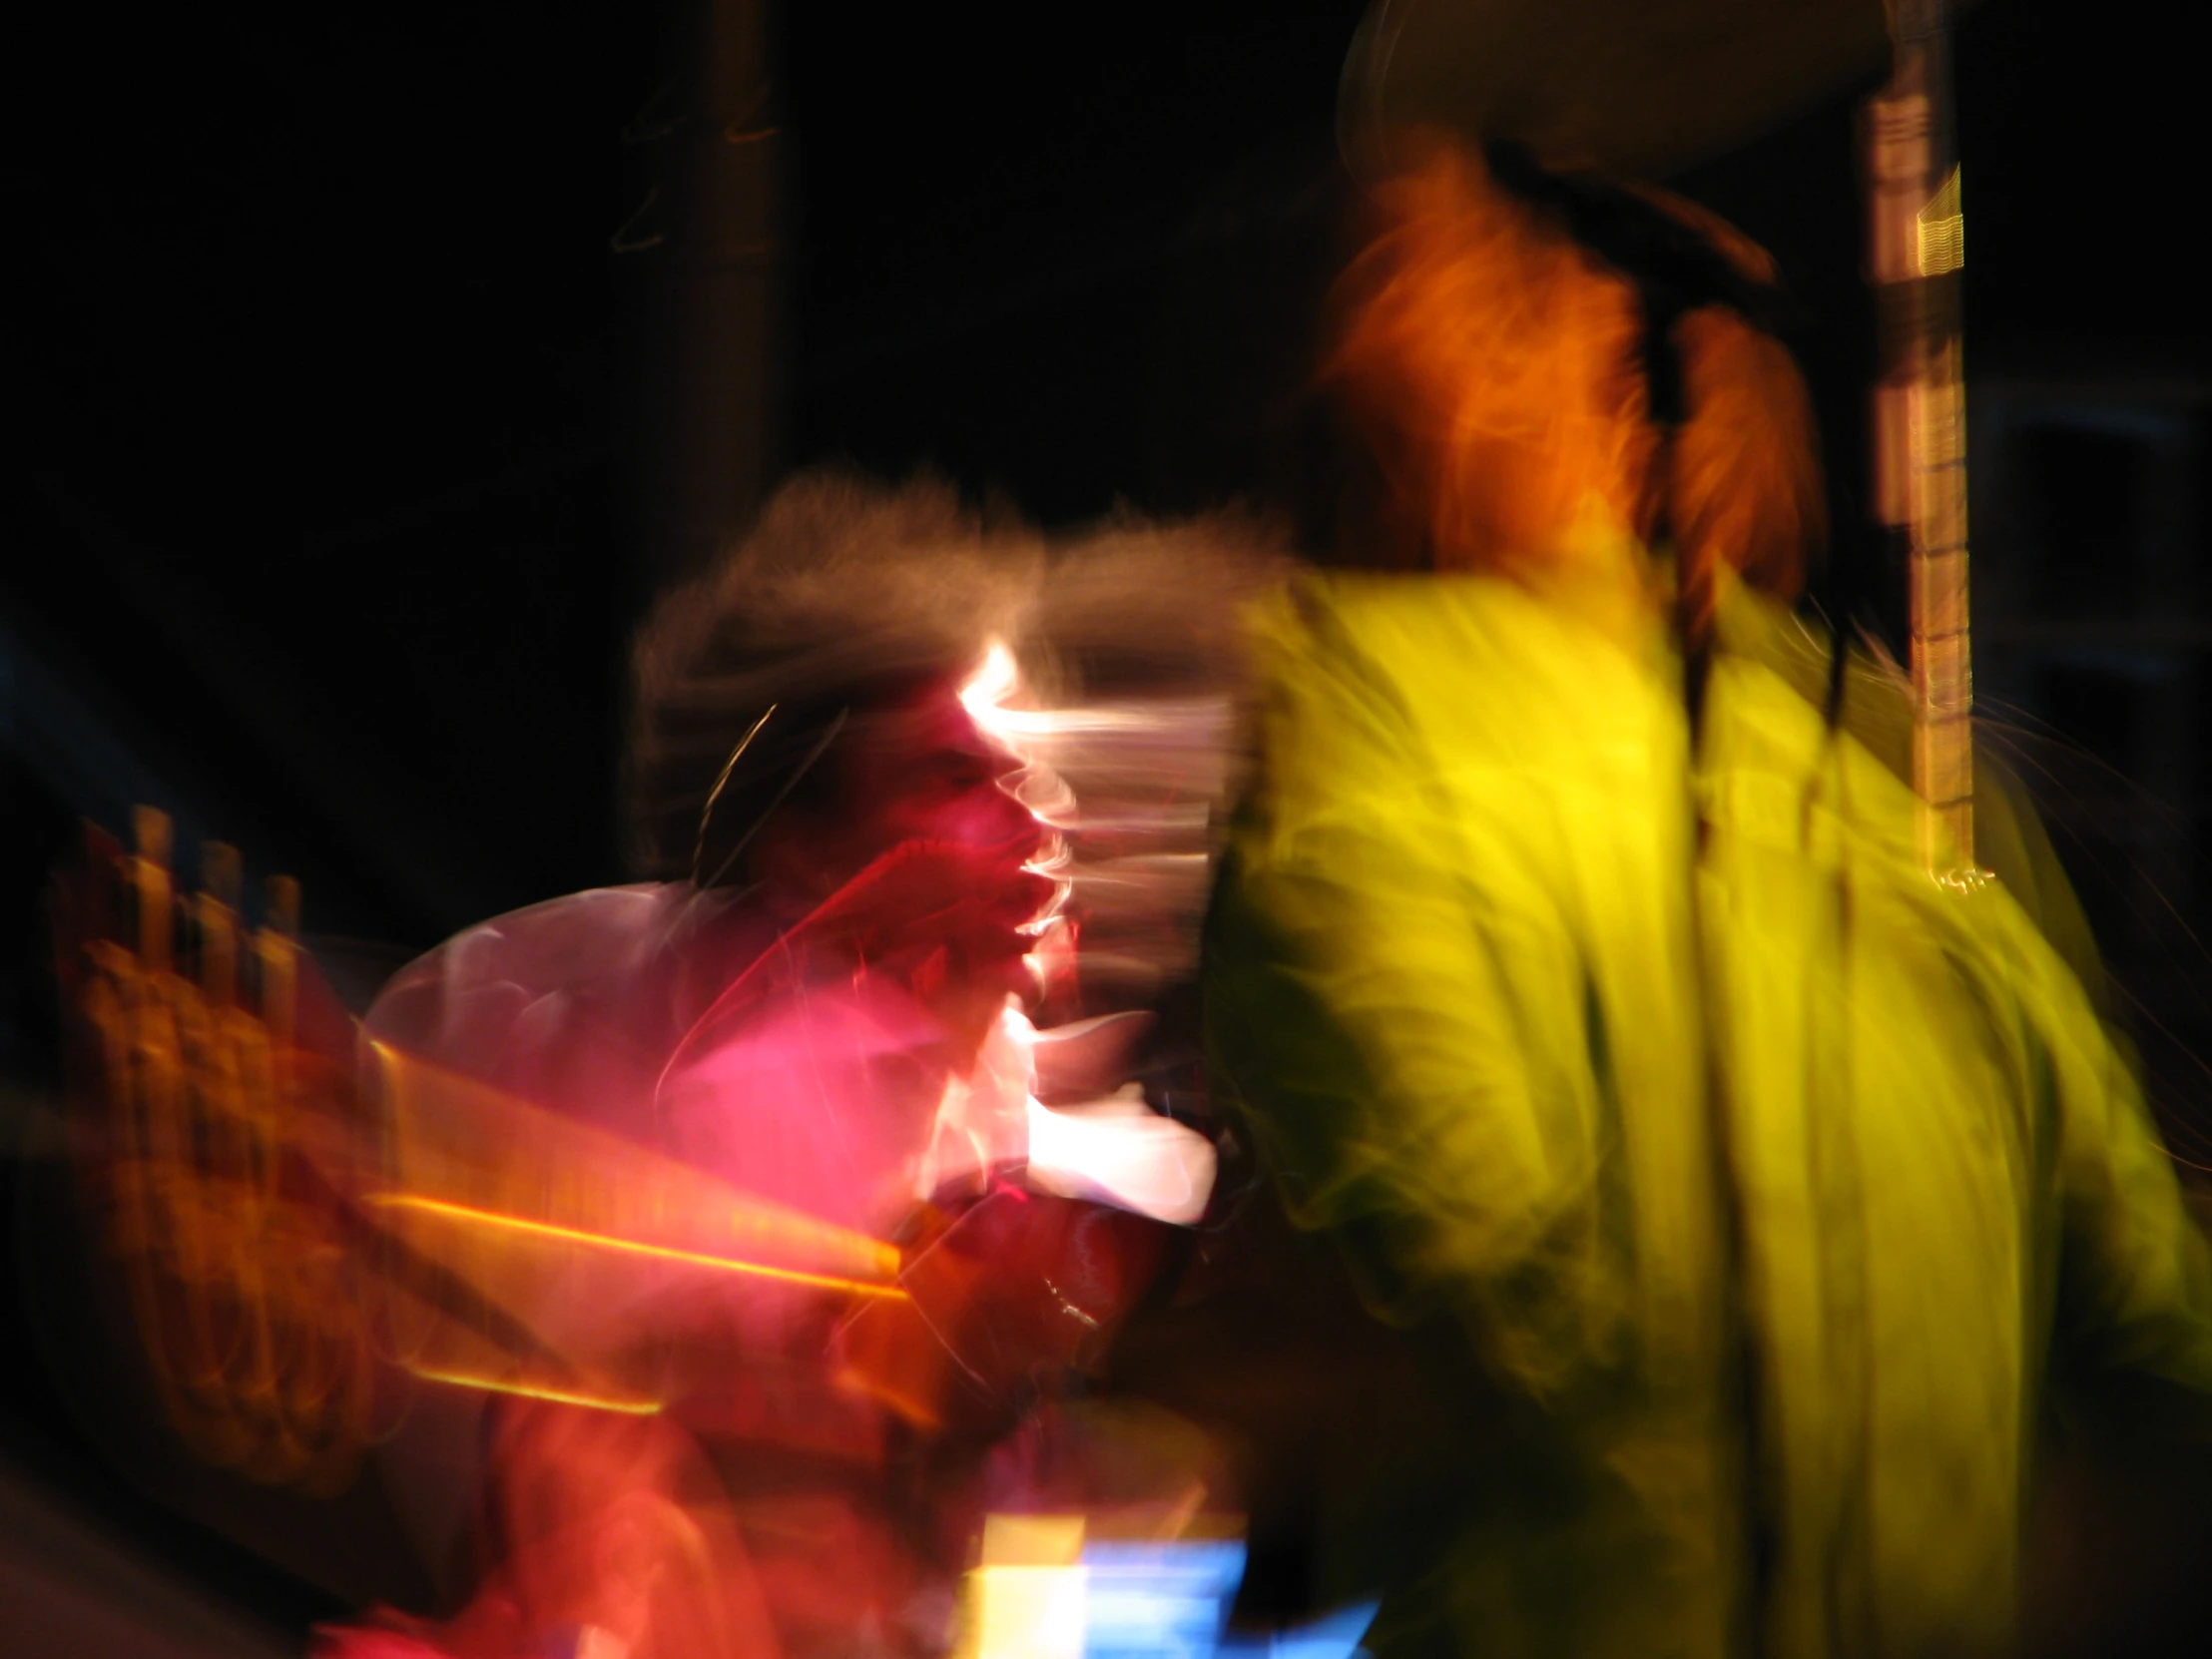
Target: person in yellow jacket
1576,963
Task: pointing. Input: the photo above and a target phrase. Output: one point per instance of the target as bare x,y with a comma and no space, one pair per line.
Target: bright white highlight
988,690
1119,1151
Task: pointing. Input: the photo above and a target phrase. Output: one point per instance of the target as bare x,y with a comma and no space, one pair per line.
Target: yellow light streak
1943,231
629,1246
559,1397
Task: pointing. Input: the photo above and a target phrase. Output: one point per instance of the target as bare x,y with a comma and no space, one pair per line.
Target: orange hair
1494,368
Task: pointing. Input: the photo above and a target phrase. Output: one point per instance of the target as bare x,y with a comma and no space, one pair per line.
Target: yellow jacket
1759,1196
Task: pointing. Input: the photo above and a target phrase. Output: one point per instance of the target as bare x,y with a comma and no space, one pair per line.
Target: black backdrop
318,458
317,346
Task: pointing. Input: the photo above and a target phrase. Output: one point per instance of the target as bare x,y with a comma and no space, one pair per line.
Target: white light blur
1037,787
1119,1151
1132,788
992,683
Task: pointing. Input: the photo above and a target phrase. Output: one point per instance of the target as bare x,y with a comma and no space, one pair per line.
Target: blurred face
921,844
925,772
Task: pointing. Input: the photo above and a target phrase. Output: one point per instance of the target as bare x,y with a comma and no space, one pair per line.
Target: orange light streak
629,1246
559,1397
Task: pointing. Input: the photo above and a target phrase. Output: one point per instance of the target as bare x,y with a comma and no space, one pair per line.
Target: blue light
1334,1637
1171,1601
1158,1601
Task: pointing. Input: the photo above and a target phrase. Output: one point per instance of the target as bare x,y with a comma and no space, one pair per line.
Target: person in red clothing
824,1010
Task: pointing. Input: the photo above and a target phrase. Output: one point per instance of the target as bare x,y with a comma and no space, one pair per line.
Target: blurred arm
2135,1276
1390,1045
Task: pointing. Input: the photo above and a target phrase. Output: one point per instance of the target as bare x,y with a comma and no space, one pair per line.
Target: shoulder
1463,670
1353,613
1394,637
489,973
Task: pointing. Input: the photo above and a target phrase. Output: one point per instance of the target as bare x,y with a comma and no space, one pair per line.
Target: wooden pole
1919,416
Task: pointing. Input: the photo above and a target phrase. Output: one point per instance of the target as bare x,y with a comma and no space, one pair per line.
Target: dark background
336,354
321,367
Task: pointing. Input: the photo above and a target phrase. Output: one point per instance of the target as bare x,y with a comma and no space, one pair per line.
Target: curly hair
845,593
851,592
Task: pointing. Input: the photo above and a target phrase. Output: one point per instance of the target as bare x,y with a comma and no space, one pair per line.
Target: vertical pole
1919,416
704,248
703,263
